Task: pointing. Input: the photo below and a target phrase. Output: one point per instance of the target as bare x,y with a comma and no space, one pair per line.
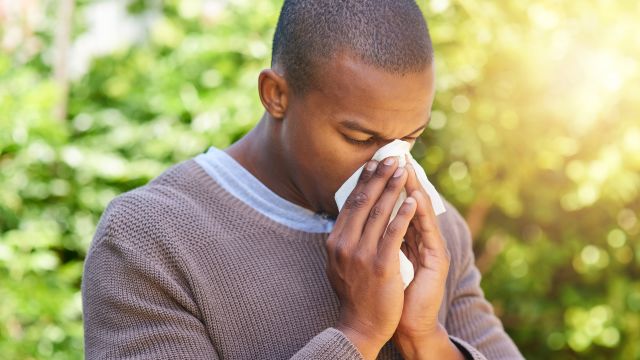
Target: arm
135,307
471,323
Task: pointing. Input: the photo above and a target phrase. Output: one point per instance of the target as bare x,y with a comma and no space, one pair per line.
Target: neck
260,152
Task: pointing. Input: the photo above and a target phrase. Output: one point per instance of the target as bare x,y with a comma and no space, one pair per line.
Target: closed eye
371,140
367,142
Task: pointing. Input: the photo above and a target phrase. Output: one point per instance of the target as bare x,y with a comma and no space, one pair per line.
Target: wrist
434,345
367,345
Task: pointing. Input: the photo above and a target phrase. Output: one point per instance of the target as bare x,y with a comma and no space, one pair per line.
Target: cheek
337,161
324,162
322,158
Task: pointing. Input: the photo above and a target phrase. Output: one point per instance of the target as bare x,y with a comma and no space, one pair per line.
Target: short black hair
389,34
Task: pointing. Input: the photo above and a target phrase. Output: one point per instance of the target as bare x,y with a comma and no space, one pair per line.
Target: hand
363,264
426,249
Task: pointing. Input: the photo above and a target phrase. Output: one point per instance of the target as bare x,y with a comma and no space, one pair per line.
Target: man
242,254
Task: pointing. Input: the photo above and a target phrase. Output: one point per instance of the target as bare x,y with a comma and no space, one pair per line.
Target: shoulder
144,219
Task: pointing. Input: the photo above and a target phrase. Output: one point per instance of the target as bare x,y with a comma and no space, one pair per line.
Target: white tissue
398,148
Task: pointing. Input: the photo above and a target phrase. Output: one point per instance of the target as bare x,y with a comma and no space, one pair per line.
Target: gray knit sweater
181,269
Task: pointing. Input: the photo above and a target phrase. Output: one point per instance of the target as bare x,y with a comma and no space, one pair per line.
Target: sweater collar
238,181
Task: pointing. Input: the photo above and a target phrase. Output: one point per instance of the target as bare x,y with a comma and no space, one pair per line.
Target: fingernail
372,165
389,161
410,200
398,172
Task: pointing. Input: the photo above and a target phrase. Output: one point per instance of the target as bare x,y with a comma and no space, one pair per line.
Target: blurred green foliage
534,137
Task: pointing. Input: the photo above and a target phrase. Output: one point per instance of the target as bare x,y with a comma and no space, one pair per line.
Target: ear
274,92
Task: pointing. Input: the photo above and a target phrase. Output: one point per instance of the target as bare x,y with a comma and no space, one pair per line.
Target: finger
366,193
338,229
366,174
380,212
425,216
413,183
427,223
389,245
425,219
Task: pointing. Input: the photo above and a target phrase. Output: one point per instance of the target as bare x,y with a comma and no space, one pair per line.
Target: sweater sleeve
138,306
329,344
471,322
134,308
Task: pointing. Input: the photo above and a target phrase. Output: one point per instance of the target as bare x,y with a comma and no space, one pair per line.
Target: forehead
351,87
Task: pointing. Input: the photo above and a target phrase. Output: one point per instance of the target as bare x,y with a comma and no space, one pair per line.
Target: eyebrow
354,125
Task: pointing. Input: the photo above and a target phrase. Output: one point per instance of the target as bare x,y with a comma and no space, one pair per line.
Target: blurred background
535,137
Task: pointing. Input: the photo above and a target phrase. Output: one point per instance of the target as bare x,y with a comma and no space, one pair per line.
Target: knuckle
380,172
342,252
394,182
392,185
357,200
375,212
379,268
365,175
404,210
393,229
361,259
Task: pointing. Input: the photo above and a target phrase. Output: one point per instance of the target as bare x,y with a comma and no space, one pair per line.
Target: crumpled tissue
397,148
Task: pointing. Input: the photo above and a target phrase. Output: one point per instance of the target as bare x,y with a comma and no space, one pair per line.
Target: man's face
338,125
